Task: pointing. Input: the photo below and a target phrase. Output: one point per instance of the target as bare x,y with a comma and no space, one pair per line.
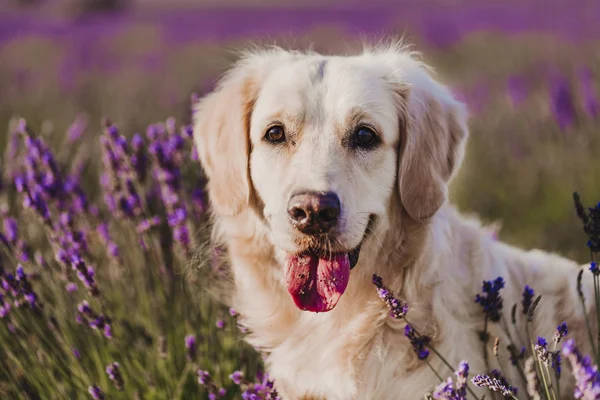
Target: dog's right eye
275,134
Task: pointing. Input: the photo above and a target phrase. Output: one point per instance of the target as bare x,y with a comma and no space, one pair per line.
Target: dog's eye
275,134
365,138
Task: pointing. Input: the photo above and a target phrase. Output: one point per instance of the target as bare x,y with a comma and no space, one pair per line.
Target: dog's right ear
221,135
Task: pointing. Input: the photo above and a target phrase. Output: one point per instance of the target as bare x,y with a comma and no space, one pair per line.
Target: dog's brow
318,73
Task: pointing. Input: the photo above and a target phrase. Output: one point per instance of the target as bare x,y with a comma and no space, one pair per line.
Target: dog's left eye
275,134
365,138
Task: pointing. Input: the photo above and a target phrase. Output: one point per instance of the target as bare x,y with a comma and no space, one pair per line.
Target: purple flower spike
190,345
541,349
419,342
76,354
96,392
484,381
11,230
587,379
490,299
528,294
114,374
561,100
448,390
398,309
561,331
237,377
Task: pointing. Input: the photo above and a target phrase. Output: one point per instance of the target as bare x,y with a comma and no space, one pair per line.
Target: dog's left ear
434,129
221,125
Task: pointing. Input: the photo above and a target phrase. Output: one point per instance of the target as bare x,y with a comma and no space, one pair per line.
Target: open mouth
317,279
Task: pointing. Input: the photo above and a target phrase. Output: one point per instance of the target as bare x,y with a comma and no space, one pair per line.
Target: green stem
443,359
434,371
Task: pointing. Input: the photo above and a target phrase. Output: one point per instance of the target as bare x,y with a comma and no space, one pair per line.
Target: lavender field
104,241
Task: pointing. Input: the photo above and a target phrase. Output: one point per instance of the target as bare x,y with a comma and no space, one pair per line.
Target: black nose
314,212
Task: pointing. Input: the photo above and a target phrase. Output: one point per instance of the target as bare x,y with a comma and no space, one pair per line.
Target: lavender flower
561,332
166,148
557,362
490,299
190,345
541,349
561,102
76,353
114,374
96,392
220,324
484,381
398,309
237,377
528,294
94,321
121,195
587,379
495,374
448,390
205,380
263,388
591,224
147,224
418,342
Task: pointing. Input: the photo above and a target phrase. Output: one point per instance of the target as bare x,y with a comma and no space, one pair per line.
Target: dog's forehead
327,89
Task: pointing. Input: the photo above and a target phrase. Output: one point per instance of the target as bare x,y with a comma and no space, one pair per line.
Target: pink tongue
316,284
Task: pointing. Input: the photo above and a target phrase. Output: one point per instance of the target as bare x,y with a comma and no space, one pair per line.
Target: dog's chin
316,277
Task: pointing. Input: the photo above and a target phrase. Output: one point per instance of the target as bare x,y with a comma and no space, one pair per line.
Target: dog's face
320,145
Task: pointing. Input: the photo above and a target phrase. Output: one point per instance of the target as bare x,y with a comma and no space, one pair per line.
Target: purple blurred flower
166,147
205,380
561,102
11,230
77,128
96,392
237,377
76,353
94,321
114,374
587,379
220,324
147,224
190,345
490,299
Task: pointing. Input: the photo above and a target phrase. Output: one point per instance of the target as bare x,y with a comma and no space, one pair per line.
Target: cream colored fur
427,253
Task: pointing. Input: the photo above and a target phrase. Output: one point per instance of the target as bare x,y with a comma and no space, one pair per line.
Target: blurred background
529,71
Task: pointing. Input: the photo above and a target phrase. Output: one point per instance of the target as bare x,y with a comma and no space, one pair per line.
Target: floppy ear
435,129
221,134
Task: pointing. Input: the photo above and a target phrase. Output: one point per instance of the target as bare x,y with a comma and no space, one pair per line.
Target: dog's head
321,147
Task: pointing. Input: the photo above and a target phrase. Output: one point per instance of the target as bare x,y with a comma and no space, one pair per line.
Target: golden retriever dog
324,170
